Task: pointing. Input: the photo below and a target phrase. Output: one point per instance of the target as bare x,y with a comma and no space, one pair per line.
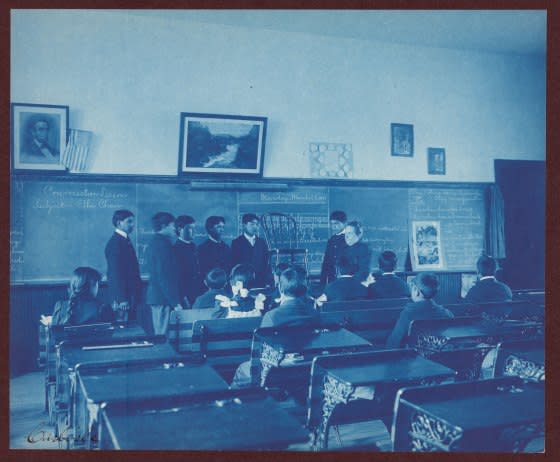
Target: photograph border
183,169
414,224
410,129
15,136
431,161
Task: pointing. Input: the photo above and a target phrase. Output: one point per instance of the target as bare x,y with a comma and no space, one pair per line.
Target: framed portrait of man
38,136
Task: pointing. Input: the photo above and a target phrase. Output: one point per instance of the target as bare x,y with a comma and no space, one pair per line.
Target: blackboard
59,225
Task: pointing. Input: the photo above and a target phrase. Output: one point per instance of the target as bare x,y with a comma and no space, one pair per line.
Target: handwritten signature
40,434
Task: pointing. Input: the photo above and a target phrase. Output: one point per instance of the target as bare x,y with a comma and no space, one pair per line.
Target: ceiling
499,31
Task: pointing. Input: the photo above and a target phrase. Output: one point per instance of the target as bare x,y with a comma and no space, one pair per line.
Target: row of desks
139,393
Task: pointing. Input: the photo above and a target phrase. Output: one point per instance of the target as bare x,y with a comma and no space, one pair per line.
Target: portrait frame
436,161
425,244
28,154
402,140
216,145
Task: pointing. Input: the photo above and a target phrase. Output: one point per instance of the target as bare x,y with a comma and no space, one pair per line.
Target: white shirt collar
214,240
121,232
181,239
487,277
252,239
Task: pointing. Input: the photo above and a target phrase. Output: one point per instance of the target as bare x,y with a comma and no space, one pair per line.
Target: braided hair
81,286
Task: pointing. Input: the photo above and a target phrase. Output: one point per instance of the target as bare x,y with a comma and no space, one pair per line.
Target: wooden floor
29,427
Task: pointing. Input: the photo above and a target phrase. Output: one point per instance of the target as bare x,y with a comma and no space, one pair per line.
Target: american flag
76,153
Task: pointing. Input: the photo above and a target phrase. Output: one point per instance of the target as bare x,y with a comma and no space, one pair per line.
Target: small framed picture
38,136
436,161
218,145
425,242
402,140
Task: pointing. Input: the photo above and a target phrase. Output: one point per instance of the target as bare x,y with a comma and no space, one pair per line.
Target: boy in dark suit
423,289
487,288
251,249
163,287
187,260
334,246
216,281
296,308
346,287
388,284
123,273
214,252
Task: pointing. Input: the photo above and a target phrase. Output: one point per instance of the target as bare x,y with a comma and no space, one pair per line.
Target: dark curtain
495,236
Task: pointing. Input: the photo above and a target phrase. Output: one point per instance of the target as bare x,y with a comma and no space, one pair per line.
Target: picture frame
38,136
436,161
402,140
217,145
425,245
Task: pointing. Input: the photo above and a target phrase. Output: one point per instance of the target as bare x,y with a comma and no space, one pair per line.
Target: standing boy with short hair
123,272
163,287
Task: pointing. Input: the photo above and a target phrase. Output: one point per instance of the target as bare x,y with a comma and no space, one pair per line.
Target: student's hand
45,320
369,280
124,306
320,300
259,301
178,307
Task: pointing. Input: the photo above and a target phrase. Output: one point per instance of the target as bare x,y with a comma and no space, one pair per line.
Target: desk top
490,409
312,341
239,424
73,355
86,334
480,329
142,384
391,370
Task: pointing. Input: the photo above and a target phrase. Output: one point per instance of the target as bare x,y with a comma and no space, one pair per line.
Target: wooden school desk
69,356
463,343
141,381
293,348
496,415
367,382
523,359
236,421
80,335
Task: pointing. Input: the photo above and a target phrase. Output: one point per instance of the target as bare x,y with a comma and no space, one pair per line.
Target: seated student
487,288
296,307
215,281
423,289
238,303
346,286
295,310
388,285
82,306
273,297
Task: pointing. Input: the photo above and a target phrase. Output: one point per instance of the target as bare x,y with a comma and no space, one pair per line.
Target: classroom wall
127,78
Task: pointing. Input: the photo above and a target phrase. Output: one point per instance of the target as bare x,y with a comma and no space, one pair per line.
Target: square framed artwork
218,145
38,136
402,140
436,161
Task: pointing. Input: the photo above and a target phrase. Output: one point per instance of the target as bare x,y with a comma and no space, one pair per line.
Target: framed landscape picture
402,140
38,136
214,145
